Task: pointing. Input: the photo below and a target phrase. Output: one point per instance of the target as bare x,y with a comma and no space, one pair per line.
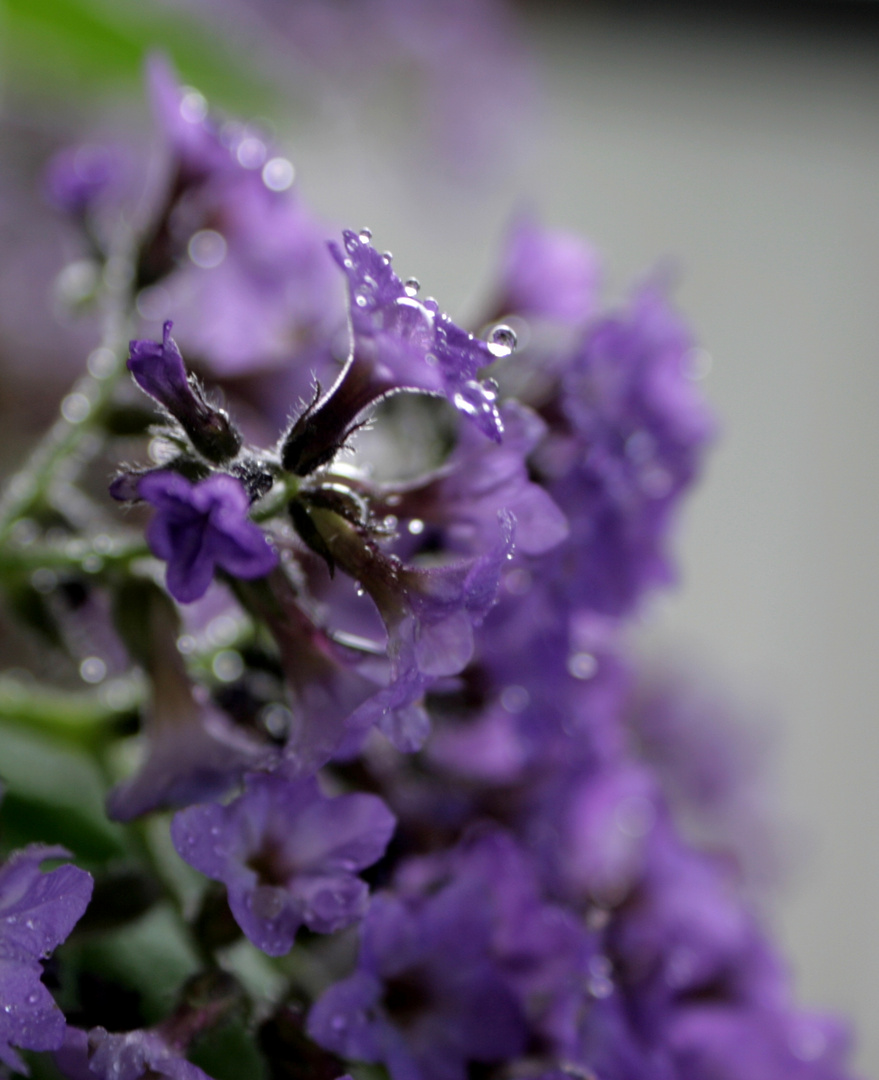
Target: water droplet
32,999
44,580
600,987
75,408
388,256
389,523
93,564
394,500
582,665
412,285
515,699
228,665
92,669
358,588
251,152
103,544
221,631
186,644
207,248
276,719
278,174
365,235
600,966
193,106
416,526
518,582
360,301
502,341
430,359
597,918
101,363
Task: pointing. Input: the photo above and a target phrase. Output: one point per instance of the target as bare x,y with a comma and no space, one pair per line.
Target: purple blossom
200,528
427,997
479,481
547,273
243,264
77,177
37,912
627,439
157,367
130,1055
287,854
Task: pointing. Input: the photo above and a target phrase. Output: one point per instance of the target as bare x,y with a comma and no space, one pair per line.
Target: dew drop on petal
365,235
207,248
412,285
193,106
228,665
582,665
75,408
92,669
416,526
502,341
278,174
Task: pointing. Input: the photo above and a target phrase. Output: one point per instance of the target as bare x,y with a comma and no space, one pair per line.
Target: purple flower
200,528
130,1055
157,367
37,912
287,854
427,998
547,273
628,433
399,343
480,480
77,177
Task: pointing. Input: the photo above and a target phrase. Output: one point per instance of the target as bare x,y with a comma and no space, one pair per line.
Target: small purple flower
78,177
548,273
287,854
130,1055
200,528
158,369
37,912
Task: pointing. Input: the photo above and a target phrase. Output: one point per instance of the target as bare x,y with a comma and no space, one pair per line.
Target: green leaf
228,1052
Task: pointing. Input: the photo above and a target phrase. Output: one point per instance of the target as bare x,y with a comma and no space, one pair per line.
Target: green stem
84,408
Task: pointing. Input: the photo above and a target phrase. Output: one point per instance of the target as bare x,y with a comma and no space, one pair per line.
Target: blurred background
739,141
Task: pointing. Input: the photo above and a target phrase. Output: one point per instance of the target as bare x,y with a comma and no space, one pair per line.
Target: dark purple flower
427,998
37,912
130,1055
547,273
287,854
399,343
201,528
157,367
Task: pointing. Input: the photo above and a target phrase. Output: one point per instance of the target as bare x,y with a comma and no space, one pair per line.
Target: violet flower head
631,444
130,1055
158,369
548,273
200,528
288,855
37,912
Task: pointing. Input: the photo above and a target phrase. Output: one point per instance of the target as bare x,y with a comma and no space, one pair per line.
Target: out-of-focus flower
288,855
37,912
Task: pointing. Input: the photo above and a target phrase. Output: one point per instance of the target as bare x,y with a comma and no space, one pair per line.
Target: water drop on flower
416,526
365,235
582,665
502,341
251,152
388,256
389,523
92,669
207,248
193,106
75,408
358,588
101,363
228,665
186,644
412,285
515,699
278,174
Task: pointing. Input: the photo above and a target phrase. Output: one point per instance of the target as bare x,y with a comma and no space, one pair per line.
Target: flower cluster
418,766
